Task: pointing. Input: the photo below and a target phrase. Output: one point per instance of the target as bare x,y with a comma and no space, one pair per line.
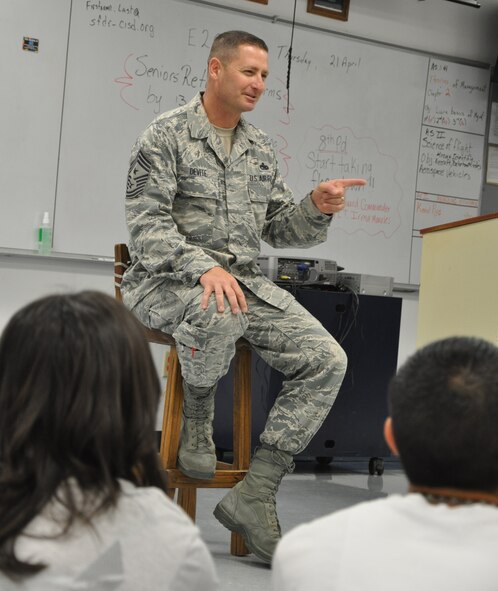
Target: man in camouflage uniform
203,189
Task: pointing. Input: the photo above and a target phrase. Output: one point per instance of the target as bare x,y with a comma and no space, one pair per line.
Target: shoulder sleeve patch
138,175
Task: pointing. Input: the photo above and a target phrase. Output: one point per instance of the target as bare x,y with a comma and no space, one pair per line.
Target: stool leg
173,403
241,428
187,499
237,545
170,438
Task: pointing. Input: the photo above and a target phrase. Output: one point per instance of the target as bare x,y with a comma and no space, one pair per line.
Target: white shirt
147,543
398,543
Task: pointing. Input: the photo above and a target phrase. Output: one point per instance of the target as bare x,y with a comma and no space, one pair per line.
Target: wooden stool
227,475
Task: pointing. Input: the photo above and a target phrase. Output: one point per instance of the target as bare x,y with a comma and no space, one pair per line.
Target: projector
366,284
298,270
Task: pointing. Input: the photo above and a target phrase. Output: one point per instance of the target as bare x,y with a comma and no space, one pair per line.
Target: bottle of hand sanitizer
45,235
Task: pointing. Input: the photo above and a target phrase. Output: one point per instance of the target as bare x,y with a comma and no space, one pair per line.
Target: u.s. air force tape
138,175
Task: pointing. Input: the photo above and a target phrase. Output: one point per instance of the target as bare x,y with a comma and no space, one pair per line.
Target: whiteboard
450,167
355,109
30,117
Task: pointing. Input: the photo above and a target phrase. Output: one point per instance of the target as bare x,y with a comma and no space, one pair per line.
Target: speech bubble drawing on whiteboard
334,153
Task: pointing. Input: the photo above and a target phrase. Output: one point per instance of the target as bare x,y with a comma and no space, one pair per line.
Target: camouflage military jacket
190,207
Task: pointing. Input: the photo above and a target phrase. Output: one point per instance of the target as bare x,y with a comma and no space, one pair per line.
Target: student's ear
389,436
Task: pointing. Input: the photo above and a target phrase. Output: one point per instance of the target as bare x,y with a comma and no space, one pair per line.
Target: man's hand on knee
222,284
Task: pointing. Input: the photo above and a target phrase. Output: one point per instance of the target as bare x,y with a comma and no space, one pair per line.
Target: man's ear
214,66
389,436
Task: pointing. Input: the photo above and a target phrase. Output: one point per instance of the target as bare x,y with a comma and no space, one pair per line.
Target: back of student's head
78,400
444,408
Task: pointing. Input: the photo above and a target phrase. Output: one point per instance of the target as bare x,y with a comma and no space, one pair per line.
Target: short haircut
226,44
444,408
78,402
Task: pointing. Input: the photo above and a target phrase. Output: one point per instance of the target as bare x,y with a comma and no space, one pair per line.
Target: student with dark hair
82,501
444,533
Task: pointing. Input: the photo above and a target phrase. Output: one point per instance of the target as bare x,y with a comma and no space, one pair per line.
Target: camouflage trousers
291,341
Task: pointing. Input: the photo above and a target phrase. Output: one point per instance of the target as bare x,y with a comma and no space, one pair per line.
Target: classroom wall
429,25
435,26
489,197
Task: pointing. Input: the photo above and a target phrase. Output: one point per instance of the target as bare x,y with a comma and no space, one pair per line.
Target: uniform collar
200,127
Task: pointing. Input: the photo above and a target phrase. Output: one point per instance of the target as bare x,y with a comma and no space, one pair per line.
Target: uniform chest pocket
197,203
197,181
260,182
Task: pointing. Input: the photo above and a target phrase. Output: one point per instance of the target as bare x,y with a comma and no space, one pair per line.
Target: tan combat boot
250,508
197,454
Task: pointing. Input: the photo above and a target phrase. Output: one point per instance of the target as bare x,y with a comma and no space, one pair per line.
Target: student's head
78,400
444,410
237,71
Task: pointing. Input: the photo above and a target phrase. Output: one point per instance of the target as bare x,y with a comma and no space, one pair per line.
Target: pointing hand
329,195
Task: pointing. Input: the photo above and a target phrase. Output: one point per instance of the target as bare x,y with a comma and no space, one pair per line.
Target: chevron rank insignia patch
138,175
